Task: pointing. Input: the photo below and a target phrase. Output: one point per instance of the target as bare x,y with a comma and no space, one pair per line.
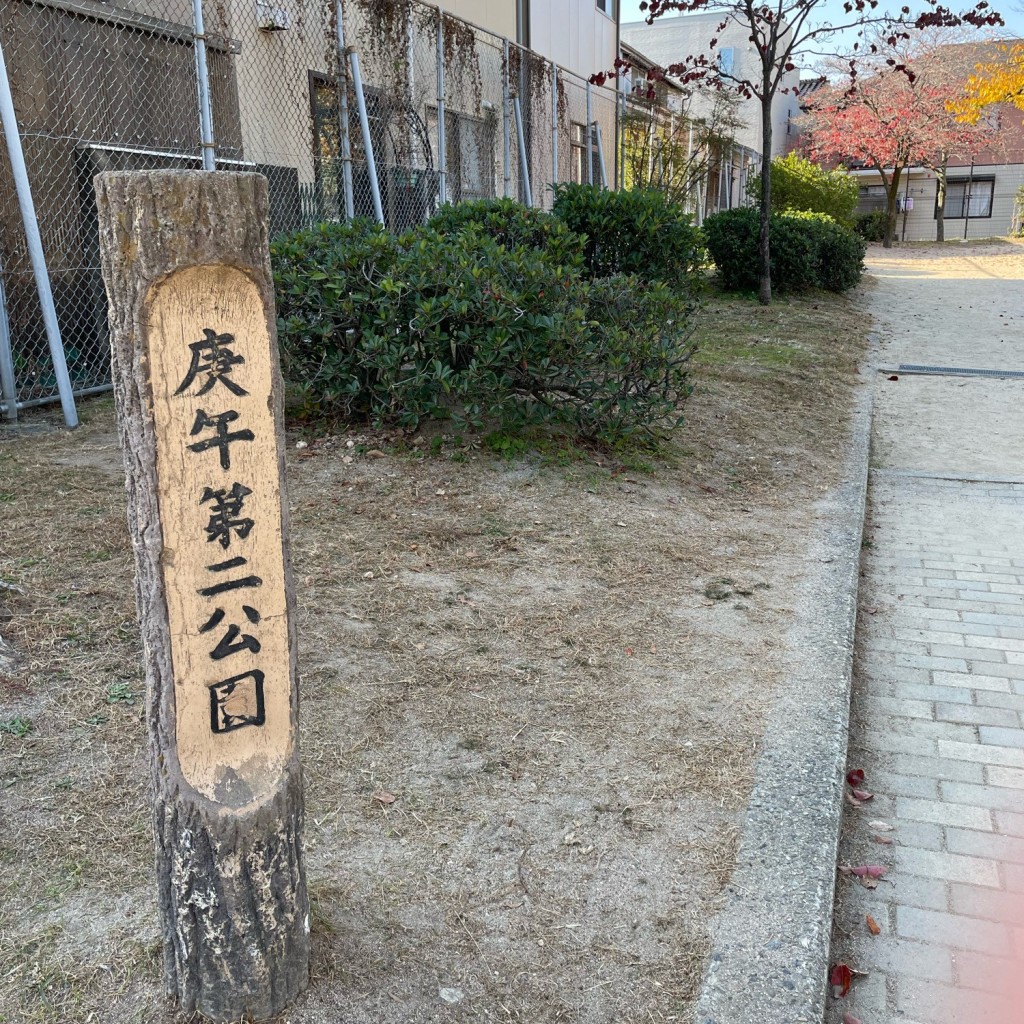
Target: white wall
920,222
573,33
671,39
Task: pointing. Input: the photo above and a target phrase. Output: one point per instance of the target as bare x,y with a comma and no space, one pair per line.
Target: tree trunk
764,292
891,197
940,199
181,249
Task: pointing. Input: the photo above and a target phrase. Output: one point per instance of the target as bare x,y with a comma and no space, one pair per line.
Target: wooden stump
199,400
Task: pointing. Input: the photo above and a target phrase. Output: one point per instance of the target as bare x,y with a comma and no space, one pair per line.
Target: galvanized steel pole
590,136
524,164
442,150
364,124
203,76
34,242
506,119
345,143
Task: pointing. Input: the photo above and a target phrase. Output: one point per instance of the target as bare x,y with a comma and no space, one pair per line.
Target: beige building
670,39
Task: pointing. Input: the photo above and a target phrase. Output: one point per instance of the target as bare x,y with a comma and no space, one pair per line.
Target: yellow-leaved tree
998,80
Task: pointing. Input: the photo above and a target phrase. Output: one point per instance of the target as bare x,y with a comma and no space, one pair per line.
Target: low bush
870,226
801,185
637,232
512,224
458,325
808,250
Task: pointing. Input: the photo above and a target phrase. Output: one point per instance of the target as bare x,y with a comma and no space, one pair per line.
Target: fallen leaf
851,799
882,840
376,453
871,611
868,883
873,925
382,796
629,651
863,870
840,978
863,795
893,377
855,776
848,1018
881,826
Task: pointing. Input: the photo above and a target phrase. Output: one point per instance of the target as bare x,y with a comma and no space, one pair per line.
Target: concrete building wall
497,16
1000,180
671,39
574,33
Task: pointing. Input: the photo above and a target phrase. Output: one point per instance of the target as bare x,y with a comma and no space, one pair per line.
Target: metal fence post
344,143
523,161
506,119
590,136
554,124
8,384
442,150
203,76
364,125
600,157
34,242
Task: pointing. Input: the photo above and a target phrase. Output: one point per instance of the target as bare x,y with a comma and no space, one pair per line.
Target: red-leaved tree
784,33
891,119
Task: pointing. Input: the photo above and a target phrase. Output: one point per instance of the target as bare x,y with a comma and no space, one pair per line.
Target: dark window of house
606,7
578,160
969,197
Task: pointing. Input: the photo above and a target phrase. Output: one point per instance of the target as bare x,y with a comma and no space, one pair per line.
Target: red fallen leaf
851,799
848,1018
629,651
863,795
863,870
855,776
883,840
873,925
893,377
382,796
840,978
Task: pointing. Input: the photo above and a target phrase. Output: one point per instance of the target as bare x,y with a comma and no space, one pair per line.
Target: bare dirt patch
558,664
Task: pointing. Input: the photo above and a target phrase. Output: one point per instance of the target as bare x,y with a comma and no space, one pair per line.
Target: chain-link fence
447,111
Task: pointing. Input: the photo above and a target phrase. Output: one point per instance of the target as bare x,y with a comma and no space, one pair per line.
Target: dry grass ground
557,660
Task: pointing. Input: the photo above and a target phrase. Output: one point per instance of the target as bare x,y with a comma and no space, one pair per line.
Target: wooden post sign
198,393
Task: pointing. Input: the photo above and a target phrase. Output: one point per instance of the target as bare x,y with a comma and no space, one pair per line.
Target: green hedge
459,324
808,250
636,232
870,226
512,224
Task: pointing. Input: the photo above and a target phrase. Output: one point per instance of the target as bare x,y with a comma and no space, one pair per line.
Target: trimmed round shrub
458,326
512,225
636,232
808,250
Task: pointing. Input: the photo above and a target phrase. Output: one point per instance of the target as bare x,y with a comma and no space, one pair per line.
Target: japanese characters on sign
218,471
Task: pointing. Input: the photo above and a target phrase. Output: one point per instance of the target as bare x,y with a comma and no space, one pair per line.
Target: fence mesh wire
113,86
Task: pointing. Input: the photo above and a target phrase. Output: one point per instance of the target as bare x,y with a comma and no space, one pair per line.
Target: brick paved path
938,706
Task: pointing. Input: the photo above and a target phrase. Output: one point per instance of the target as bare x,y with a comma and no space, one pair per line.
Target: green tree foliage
802,185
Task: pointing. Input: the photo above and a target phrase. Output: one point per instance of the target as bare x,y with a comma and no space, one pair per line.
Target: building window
606,7
726,60
578,160
969,197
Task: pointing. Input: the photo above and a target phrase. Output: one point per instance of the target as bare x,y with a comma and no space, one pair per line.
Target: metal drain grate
958,371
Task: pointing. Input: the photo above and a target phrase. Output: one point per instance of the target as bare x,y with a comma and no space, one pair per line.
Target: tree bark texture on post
194,354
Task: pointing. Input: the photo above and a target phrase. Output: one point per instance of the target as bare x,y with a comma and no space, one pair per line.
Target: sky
1012,12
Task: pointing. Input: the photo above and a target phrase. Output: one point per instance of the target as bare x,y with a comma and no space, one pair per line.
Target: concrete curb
770,954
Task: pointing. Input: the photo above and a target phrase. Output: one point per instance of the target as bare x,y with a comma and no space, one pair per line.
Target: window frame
972,181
